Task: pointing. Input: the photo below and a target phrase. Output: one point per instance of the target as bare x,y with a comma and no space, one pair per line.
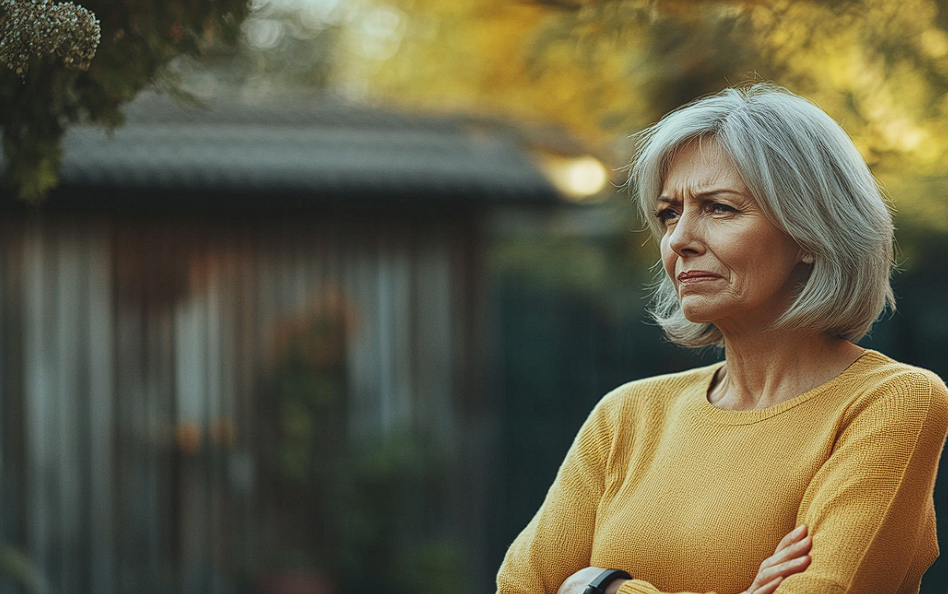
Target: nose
685,237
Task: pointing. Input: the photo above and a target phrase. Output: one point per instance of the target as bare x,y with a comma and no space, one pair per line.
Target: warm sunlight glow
578,178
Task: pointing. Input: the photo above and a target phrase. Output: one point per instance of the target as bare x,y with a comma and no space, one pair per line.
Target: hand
576,583
792,556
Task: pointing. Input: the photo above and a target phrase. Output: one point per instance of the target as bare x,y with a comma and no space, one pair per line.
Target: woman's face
730,266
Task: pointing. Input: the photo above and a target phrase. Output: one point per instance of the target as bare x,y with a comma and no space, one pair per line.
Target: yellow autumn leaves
606,68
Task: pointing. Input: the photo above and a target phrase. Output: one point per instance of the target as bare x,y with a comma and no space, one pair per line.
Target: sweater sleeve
558,540
870,507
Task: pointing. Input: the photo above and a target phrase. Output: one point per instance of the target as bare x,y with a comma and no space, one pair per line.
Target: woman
802,463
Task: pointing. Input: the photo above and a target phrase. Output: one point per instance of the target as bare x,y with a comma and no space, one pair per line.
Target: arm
790,557
870,506
558,540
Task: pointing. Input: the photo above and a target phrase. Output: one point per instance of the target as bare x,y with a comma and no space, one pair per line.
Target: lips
696,276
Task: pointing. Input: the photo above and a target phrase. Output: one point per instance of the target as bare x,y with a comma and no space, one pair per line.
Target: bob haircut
809,180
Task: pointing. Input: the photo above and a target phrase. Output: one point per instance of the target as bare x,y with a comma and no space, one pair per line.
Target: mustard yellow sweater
687,497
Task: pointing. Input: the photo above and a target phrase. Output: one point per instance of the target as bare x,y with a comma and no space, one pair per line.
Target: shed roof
316,151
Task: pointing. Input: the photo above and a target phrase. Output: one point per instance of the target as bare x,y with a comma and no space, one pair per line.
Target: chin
700,319
700,315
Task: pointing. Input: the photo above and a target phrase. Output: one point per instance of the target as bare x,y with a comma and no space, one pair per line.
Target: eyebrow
706,194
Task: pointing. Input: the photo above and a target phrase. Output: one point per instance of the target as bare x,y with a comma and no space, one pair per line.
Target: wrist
607,582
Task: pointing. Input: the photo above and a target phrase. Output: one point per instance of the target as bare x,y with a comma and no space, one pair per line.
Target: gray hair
810,181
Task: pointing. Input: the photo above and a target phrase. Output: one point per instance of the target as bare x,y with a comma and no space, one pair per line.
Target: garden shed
241,350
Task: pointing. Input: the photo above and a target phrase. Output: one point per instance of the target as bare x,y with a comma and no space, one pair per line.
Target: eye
666,215
721,208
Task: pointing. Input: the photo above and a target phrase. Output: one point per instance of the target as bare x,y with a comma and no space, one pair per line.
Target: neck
773,367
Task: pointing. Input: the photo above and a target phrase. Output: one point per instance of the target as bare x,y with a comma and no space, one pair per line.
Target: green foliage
346,504
139,38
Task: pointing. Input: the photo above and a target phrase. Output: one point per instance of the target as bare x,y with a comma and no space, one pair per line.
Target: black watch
598,585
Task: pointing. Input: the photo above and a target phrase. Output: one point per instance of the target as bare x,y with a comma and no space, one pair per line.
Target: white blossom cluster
39,28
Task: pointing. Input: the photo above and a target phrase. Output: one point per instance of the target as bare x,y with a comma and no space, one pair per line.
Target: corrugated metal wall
177,393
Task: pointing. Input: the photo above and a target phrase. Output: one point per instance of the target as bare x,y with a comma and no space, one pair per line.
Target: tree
40,97
607,68
599,65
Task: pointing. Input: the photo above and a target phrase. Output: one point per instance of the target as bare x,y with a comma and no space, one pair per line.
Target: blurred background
311,296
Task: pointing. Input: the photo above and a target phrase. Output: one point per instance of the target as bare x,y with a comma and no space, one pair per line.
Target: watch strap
598,585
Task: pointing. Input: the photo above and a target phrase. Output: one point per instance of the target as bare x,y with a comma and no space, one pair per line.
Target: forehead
699,166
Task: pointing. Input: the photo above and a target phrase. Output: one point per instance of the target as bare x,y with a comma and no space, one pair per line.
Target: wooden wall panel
154,365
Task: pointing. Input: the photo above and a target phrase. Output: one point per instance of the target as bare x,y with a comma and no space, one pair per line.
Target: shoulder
882,376
892,390
659,390
637,409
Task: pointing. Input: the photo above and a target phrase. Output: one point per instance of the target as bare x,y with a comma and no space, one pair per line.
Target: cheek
669,259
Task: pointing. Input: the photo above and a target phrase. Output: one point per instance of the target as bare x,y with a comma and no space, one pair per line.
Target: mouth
696,276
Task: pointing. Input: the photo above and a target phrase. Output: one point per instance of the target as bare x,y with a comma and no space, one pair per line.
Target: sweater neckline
867,360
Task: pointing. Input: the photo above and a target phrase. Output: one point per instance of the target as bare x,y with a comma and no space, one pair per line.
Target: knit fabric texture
687,497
